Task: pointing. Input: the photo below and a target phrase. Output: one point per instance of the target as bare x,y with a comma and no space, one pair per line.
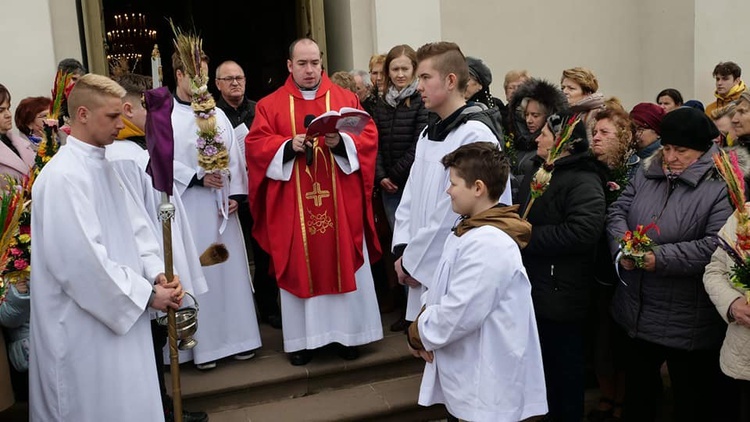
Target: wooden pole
166,213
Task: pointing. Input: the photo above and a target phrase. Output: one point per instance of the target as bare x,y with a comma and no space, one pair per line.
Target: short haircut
727,69
227,62
4,94
27,110
376,59
177,63
299,40
71,65
134,85
448,59
481,161
515,75
365,75
343,79
393,54
673,94
89,89
583,77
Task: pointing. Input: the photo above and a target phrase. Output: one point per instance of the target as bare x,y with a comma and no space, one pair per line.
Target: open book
348,119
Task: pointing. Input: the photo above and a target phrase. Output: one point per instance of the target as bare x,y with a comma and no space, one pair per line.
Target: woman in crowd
377,74
16,154
567,220
400,116
661,302
478,91
732,306
613,146
532,103
722,118
580,86
669,99
30,115
16,159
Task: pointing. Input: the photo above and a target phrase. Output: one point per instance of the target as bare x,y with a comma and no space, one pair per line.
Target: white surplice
479,323
424,217
129,161
227,323
351,319
94,262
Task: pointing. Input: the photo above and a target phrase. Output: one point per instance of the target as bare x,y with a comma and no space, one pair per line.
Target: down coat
670,306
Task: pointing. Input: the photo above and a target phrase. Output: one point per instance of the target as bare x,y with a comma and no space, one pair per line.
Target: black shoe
300,357
348,352
400,325
188,416
273,320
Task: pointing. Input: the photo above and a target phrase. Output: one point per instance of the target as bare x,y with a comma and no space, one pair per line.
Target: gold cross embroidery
317,195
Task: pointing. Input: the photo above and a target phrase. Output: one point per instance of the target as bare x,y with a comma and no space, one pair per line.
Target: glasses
230,79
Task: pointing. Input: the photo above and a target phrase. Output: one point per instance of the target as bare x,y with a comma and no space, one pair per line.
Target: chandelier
129,40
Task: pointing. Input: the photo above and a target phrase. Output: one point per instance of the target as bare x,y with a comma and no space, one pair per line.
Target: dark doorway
256,38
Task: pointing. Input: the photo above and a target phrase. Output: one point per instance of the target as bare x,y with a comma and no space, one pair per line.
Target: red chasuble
311,225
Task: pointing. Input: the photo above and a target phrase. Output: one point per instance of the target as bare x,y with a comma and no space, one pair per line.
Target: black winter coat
398,130
567,221
670,306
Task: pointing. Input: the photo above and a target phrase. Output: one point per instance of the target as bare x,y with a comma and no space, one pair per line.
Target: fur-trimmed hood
548,94
543,91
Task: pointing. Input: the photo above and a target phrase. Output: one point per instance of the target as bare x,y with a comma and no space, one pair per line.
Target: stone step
269,377
383,401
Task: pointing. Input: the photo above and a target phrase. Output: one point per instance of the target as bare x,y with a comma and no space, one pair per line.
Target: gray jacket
670,306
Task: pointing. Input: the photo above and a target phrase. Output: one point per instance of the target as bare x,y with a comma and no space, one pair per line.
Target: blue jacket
14,318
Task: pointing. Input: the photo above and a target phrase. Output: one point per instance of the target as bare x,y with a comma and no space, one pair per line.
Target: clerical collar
87,149
303,89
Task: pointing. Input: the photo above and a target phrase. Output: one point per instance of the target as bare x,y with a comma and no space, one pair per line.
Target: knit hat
695,104
688,127
579,140
479,71
648,115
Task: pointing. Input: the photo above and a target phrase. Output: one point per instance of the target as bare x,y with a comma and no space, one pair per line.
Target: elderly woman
662,304
30,115
567,222
613,147
580,86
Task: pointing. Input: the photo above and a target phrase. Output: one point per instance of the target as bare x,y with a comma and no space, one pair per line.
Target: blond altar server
96,271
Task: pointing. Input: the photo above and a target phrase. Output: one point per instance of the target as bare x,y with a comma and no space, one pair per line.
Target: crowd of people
494,230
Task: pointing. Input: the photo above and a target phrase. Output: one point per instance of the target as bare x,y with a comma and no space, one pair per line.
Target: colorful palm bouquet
212,152
15,240
634,244
50,142
729,168
543,176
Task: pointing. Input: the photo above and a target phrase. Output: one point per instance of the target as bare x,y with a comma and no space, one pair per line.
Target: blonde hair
345,80
727,110
515,75
613,103
377,59
89,89
583,77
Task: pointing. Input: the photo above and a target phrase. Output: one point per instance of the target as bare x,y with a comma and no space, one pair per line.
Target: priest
96,271
311,199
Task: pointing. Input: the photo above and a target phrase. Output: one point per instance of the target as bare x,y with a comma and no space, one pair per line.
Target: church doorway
256,38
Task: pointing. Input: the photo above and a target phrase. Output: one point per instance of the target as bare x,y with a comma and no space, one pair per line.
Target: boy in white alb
477,330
